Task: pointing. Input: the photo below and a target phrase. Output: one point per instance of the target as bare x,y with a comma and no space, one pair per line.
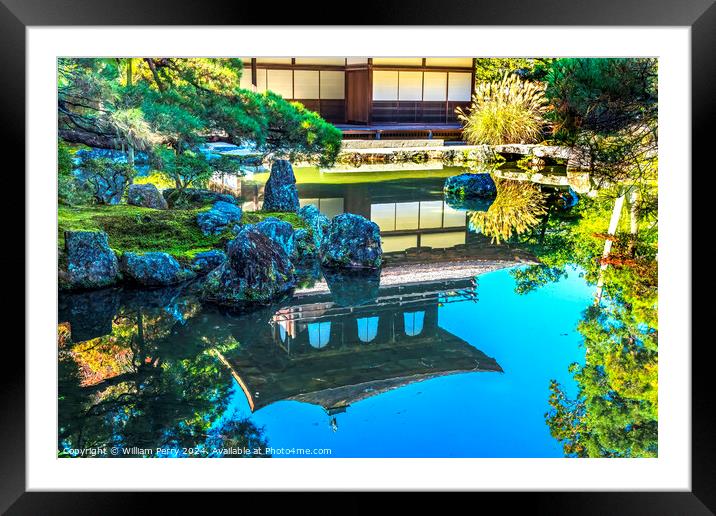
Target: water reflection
148,369
416,220
155,368
517,208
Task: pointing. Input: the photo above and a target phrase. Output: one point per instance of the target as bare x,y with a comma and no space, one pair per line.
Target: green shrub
69,190
506,111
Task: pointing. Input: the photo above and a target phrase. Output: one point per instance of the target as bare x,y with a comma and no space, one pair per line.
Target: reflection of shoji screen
385,85
454,218
435,86
331,207
410,86
281,82
305,84
459,86
333,84
398,243
383,215
406,215
431,214
442,240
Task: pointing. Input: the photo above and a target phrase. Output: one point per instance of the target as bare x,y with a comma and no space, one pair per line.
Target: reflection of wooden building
317,352
409,218
365,90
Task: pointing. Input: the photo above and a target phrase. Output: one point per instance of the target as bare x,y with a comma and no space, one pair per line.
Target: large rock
257,272
304,246
317,221
194,197
280,232
147,196
471,185
468,203
204,263
280,193
153,269
352,242
218,218
90,261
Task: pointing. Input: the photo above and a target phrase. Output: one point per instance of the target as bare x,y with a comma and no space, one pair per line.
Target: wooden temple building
371,97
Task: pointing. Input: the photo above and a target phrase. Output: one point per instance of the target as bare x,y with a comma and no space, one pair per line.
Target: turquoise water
531,336
439,365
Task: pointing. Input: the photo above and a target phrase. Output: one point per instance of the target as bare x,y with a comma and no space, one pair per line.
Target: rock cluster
352,241
153,269
218,218
204,263
280,193
194,197
257,271
470,185
90,261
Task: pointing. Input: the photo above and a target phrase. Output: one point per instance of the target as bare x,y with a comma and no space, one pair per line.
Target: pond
446,354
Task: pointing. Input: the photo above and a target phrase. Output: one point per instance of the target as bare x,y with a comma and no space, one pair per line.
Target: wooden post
613,224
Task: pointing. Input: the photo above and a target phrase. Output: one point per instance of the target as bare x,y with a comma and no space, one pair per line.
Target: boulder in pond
317,221
471,185
207,261
153,269
352,242
147,196
218,218
280,193
304,246
256,272
194,197
280,232
90,261
468,203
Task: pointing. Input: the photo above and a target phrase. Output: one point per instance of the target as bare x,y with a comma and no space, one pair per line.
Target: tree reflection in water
518,207
140,388
615,410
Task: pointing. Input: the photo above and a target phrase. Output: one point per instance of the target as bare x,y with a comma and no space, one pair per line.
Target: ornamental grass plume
516,209
510,110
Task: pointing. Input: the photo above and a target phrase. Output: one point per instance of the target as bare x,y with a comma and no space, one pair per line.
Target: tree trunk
90,139
613,224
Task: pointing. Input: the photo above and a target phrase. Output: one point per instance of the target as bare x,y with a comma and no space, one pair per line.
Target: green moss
141,230
252,217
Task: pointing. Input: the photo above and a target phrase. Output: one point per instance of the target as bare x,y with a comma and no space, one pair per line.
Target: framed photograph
443,249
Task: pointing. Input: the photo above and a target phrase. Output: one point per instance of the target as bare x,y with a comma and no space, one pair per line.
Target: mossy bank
143,230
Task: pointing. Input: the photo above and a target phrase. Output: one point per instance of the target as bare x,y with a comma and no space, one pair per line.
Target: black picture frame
17,15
